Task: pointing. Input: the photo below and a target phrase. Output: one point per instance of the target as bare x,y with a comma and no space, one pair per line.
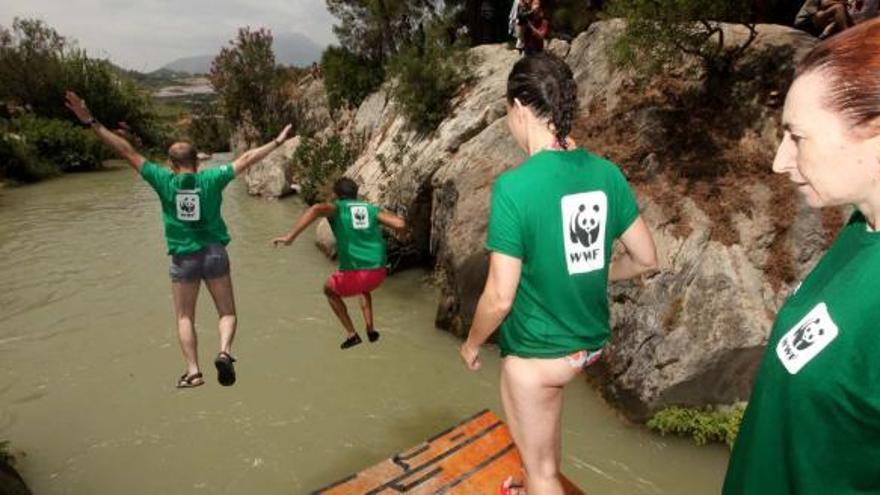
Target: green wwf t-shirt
190,206
813,423
559,212
359,242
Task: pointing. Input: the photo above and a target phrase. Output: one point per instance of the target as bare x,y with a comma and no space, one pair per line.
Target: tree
245,78
31,65
376,29
348,78
660,31
37,65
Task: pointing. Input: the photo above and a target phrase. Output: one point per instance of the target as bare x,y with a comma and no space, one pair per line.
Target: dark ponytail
545,83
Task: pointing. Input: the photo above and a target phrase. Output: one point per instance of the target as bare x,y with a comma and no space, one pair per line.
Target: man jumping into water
360,249
195,233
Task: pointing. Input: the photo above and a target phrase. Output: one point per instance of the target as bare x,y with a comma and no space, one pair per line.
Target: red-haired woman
813,423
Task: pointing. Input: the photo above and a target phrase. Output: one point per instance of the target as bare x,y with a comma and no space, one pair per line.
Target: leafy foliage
5,456
377,29
348,78
659,32
428,72
427,78
320,162
67,146
251,87
208,130
37,65
19,160
702,425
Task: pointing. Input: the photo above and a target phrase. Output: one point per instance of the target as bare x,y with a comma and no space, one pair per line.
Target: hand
282,240
471,356
78,106
283,135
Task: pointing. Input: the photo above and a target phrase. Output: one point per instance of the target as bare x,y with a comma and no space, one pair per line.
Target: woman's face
830,162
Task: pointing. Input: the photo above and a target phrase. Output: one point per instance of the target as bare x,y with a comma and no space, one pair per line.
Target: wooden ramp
473,457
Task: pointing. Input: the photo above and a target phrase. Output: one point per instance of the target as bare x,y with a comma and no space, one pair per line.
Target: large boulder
273,177
324,239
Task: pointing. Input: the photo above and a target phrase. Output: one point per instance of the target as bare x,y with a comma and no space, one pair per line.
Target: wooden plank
473,457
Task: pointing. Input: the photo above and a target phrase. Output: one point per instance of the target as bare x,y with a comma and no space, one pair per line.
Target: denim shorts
209,263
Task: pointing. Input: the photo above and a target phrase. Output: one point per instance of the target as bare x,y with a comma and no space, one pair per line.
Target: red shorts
347,283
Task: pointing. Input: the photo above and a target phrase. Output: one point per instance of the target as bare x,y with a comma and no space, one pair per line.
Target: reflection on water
88,360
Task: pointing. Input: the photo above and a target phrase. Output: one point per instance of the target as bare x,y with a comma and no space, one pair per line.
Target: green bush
659,33
348,78
427,77
19,160
68,147
320,162
37,65
208,130
703,425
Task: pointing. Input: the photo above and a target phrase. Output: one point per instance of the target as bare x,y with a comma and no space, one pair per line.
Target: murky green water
88,360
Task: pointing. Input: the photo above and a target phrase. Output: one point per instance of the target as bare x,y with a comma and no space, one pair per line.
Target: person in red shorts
360,249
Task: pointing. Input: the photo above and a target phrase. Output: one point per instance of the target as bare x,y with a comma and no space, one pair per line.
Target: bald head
183,155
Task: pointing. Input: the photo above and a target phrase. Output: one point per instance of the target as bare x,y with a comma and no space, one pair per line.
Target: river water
88,360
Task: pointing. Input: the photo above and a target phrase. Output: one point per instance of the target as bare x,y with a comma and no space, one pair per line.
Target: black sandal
190,381
372,335
351,342
225,370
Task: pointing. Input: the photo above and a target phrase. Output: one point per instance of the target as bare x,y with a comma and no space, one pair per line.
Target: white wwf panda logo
360,218
188,206
806,339
584,220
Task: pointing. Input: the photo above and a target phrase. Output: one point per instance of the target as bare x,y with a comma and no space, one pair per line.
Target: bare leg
341,311
185,296
531,392
224,301
367,310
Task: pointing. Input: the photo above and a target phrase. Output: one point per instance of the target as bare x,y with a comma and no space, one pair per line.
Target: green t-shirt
359,242
559,212
813,422
190,206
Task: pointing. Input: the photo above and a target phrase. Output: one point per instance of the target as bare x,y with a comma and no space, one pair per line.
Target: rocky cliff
732,238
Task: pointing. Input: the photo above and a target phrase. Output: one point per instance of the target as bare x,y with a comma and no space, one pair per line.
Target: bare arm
120,146
494,305
540,30
313,213
253,156
640,256
392,221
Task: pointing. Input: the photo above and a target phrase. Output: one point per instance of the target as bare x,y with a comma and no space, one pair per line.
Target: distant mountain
290,49
200,64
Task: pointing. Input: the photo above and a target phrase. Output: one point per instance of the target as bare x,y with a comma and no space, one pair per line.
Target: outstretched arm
120,146
640,256
495,303
392,221
253,156
313,213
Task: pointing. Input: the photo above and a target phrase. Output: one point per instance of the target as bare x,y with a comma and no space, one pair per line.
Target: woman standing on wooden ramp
552,224
813,423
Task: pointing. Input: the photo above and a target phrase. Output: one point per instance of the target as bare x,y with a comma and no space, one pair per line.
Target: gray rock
273,177
324,239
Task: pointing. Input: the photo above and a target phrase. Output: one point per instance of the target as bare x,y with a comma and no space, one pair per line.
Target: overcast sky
147,34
